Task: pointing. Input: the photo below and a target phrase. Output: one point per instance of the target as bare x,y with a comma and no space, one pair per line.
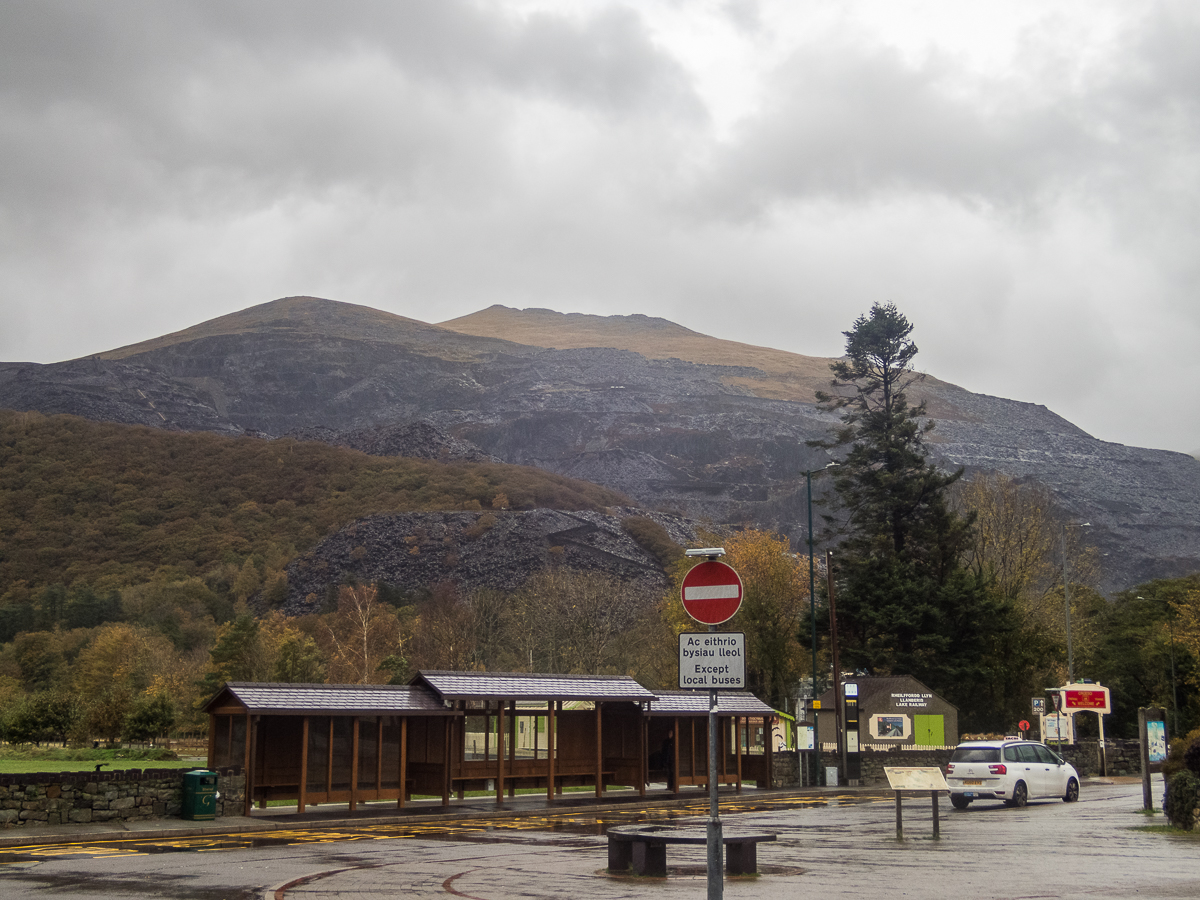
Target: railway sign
712,592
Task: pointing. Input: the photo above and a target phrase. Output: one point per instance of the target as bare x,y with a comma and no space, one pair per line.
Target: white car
1012,771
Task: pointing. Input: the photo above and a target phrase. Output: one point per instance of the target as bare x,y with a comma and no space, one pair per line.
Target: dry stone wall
66,798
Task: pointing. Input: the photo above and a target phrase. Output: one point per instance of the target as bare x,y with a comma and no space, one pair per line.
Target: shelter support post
643,737
353,763
249,767
329,759
738,732
599,755
212,740
446,762
512,745
403,795
302,793
500,724
678,736
550,749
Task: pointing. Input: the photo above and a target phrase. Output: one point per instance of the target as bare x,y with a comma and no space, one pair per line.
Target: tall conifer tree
906,604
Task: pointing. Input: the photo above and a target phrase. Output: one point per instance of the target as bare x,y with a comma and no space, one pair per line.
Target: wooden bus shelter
443,733
446,733
544,731
677,726
319,743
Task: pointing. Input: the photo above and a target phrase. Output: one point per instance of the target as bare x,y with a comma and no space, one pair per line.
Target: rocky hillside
672,418
498,550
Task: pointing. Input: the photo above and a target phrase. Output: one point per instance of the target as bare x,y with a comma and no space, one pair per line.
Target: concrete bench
644,848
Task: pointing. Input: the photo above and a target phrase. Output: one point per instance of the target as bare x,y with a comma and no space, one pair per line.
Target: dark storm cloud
166,162
116,103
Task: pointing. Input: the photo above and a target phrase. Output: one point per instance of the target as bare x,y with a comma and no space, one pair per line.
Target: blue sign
1156,737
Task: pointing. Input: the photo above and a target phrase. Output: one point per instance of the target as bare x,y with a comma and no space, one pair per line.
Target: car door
1055,784
1033,769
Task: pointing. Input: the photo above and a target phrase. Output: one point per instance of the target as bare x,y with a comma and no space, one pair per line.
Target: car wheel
1072,793
1020,795
958,801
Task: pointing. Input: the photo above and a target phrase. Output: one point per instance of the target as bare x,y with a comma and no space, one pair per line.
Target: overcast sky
1021,178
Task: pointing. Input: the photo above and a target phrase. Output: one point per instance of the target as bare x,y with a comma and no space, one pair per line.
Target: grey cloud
126,105
850,125
853,122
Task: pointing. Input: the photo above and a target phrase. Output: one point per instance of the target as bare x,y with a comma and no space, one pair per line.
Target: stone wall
785,768
84,797
1123,759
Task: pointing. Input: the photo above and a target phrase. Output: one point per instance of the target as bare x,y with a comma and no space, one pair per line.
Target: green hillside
113,505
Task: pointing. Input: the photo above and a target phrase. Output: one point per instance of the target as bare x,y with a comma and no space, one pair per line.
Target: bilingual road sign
712,661
712,592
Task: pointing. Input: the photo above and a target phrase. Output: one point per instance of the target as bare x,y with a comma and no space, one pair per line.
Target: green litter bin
199,795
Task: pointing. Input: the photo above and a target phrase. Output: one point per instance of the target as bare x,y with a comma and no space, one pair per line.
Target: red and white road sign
712,592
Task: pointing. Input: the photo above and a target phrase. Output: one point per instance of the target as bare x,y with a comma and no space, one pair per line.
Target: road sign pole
712,593
716,875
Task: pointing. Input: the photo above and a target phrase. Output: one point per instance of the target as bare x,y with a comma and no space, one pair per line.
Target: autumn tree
1143,636
907,604
1015,553
121,657
774,608
359,636
444,634
577,622
150,716
299,661
238,653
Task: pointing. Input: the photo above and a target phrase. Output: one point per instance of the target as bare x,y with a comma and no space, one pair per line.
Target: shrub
1181,799
1191,757
653,538
1178,751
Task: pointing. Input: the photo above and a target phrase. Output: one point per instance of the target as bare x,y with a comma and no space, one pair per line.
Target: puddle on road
564,829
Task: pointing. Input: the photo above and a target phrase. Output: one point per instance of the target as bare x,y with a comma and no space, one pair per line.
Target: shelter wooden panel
678,724
542,731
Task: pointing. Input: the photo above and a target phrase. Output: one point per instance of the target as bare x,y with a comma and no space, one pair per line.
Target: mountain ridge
724,438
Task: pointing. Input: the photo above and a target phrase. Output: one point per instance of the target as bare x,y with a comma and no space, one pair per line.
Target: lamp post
812,604
1067,597
1174,695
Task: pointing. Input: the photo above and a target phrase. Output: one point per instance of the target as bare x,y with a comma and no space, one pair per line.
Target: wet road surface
828,846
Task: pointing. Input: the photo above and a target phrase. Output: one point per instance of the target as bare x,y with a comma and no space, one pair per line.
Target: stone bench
644,848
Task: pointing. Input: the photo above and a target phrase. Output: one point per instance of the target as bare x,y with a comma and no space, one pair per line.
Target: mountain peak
293,315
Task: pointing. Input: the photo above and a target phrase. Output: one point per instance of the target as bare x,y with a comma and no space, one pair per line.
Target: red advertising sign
1092,698
712,592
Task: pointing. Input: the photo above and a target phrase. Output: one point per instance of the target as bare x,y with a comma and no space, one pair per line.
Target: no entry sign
712,592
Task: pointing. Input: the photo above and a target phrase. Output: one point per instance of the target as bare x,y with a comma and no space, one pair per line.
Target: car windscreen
976,754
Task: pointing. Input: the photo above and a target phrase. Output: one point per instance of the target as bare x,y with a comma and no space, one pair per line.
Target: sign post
711,594
1092,698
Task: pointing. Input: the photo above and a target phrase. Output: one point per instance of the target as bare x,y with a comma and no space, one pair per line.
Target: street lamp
1067,597
1174,695
812,603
